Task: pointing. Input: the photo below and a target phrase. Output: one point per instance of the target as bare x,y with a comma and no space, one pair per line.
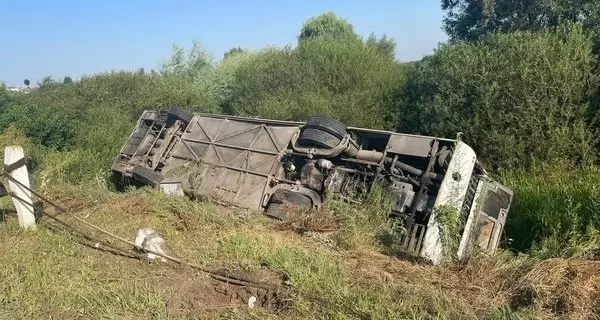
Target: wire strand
228,279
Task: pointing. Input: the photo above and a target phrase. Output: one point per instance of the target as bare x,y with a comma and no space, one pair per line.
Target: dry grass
318,221
52,275
558,287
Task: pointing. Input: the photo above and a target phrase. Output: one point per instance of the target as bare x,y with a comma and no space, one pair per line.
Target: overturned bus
269,165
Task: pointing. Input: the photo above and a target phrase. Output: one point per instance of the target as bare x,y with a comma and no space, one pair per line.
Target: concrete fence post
14,164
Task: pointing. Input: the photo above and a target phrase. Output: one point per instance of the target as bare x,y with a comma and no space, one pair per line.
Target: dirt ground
197,295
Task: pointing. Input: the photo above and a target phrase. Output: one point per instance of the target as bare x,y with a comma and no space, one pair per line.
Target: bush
42,126
343,78
12,136
221,79
127,93
516,97
356,80
84,124
554,213
273,75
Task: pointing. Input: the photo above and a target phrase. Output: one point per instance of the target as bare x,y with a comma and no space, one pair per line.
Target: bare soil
198,295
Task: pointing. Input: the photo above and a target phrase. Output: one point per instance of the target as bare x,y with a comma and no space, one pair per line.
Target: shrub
42,126
516,97
357,80
554,213
344,78
272,75
12,136
221,79
89,120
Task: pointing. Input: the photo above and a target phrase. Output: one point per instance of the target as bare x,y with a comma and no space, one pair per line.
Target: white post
14,159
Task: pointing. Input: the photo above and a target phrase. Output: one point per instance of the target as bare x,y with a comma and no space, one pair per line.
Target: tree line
518,81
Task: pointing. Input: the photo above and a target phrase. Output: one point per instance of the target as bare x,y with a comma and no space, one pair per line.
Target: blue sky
75,37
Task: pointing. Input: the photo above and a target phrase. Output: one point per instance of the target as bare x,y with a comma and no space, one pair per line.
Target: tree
46,81
4,98
233,51
518,97
67,80
344,79
354,80
472,19
384,45
190,64
327,25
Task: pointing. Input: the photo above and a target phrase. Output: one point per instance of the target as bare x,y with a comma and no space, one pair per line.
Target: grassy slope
555,210
49,274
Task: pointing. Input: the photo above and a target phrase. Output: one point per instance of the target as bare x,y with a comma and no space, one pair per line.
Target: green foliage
345,79
271,75
555,211
67,80
327,26
516,97
192,64
46,82
74,167
41,125
89,120
449,222
221,80
473,19
233,51
384,45
125,92
357,80
365,224
5,98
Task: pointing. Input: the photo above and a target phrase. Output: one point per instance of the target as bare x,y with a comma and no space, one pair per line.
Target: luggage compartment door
231,160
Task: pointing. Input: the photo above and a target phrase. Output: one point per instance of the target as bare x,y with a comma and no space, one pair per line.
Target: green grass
555,211
50,274
352,271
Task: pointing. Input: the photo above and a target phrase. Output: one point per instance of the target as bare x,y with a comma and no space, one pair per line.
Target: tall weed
555,211
365,224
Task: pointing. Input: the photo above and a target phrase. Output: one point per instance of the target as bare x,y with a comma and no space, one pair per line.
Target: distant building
18,89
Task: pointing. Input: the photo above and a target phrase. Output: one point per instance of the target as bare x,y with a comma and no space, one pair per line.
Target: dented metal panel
230,160
410,145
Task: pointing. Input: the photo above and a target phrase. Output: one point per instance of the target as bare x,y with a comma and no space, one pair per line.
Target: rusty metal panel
232,160
410,145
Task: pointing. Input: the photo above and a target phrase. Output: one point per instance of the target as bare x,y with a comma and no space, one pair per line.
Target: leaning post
15,165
